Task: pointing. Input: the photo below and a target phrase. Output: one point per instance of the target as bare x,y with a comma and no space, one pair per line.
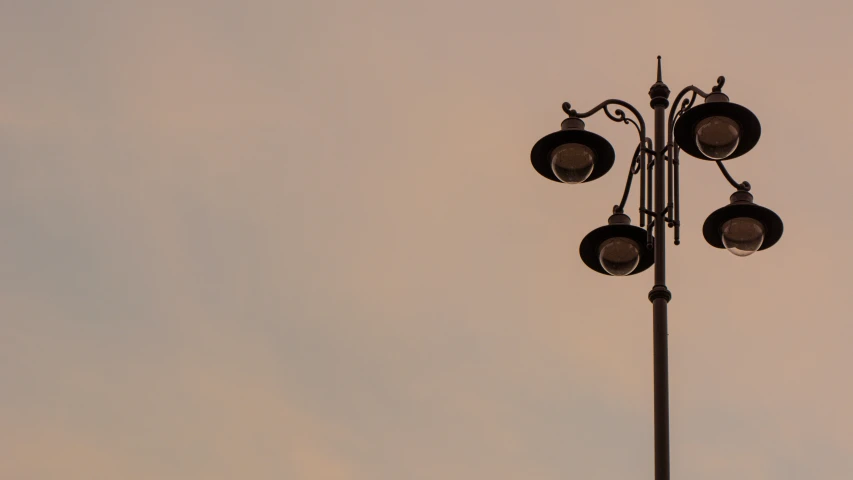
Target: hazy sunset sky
304,241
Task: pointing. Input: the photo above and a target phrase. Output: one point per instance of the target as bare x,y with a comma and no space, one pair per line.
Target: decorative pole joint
660,291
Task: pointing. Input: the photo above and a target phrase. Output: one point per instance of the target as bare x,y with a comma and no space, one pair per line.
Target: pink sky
303,240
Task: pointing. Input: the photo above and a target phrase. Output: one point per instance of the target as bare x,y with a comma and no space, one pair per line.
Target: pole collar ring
660,291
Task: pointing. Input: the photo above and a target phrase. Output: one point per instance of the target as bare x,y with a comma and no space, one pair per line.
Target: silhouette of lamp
714,130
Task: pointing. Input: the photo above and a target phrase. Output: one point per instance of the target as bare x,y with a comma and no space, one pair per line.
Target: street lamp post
716,130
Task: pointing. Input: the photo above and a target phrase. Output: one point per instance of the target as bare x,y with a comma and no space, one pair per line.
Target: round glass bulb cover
742,236
572,162
619,256
717,137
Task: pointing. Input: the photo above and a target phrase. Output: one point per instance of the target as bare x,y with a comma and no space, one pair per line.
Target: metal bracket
742,186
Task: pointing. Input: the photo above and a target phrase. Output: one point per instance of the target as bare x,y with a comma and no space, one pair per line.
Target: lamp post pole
660,295
716,130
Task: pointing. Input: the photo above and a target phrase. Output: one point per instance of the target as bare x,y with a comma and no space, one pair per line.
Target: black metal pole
660,295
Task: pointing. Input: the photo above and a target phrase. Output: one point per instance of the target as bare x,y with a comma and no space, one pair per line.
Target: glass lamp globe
743,236
717,137
572,162
619,256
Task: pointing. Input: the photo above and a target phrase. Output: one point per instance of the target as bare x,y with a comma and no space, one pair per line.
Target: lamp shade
743,208
747,125
602,152
590,247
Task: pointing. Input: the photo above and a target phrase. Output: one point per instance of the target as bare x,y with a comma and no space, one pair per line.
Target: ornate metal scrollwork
638,161
687,104
674,112
617,115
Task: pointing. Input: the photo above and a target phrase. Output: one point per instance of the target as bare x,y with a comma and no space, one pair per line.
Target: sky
303,240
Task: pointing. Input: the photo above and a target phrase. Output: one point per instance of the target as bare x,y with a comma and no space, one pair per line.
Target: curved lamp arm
745,186
688,103
618,115
636,167
675,111
673,203
639,159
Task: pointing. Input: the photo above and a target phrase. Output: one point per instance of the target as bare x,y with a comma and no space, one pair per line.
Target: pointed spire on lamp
659,92
660,77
